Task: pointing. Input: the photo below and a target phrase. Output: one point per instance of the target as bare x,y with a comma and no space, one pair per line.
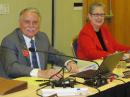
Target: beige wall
68,21
119,23
68,24
9,21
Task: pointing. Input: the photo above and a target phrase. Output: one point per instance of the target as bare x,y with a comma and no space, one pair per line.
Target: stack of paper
65,92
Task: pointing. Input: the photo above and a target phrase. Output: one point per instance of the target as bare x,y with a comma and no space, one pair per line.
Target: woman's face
97,17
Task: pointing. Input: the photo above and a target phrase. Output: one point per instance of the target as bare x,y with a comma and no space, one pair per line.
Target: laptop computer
106,67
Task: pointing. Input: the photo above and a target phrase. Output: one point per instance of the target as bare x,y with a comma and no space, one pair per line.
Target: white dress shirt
34,72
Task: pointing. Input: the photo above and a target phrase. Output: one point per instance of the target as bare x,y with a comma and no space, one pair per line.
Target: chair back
74,46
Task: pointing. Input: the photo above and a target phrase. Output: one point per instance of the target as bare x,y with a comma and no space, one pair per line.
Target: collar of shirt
27,41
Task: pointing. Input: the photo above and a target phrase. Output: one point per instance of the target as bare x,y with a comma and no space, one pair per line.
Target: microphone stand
96,81
63,82
47,52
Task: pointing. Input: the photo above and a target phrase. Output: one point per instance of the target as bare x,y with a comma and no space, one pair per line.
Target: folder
9,86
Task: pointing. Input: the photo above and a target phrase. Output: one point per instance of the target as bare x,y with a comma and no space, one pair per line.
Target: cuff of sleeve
34,73
66,63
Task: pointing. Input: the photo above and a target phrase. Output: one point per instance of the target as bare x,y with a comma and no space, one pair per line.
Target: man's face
29,24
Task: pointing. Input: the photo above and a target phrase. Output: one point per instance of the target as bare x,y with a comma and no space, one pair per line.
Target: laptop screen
107,66
110,62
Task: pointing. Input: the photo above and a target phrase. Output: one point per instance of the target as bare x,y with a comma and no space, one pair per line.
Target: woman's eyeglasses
98,14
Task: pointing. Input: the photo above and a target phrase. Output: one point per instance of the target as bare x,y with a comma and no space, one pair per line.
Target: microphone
51,53
62,81
58,54
92,81
34,50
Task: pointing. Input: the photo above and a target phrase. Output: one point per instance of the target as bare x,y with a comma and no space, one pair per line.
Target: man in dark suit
17,58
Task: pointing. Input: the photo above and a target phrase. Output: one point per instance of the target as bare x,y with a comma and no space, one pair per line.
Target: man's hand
126,56
72,67
51,73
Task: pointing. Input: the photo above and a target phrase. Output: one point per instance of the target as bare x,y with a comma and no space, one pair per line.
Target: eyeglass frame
98,14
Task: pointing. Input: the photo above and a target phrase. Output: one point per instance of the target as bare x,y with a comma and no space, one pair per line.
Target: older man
17,58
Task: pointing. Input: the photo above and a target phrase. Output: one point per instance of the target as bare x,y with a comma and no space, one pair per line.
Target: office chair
74,46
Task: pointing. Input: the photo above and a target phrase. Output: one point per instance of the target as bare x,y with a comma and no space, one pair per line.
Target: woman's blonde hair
94,5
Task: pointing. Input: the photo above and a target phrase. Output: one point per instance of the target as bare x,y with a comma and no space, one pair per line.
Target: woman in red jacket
94,40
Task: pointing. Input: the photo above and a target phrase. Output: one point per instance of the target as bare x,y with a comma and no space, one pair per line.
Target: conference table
116,88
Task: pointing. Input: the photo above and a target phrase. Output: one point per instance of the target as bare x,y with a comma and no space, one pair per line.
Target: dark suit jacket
17,63
2,69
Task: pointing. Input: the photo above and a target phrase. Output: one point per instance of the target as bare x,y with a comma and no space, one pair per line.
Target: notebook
107,66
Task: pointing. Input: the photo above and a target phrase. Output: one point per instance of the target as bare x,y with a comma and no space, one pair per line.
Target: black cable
79,82
121,80
37,91
88,85
46,83
97,89
56,73
62,82
114,77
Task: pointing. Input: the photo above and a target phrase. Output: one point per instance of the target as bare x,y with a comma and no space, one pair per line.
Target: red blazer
89,47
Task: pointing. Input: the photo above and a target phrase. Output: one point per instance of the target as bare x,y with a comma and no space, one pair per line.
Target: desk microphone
50,82
34,50
63,82
98,80
51,53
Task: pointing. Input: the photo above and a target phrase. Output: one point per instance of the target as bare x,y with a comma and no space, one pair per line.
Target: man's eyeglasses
98,14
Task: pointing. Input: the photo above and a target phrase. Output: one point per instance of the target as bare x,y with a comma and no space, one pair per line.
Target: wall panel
120,22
